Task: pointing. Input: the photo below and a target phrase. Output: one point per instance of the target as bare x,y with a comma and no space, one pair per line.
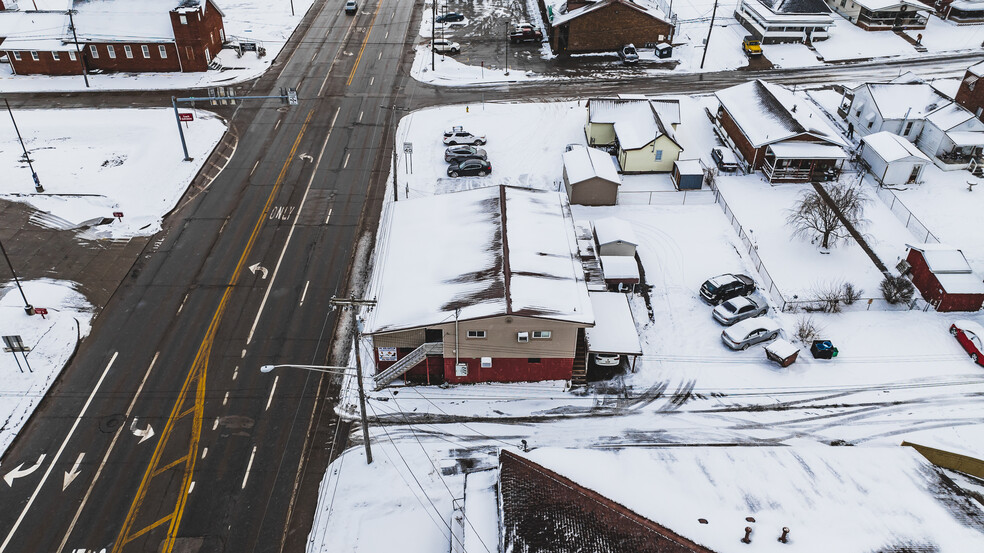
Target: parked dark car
450,18
470,168
455,154
724,287
725,160
525,33
969,335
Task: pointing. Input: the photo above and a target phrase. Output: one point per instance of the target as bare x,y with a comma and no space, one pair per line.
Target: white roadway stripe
372,80
345,163
106,457
248,467
54,459
293,226
272,389
329,216
304,293
253,170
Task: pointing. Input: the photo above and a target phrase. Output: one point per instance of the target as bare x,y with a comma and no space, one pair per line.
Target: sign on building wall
387,354
461,369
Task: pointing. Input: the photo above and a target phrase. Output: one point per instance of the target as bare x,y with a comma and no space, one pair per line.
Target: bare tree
815,219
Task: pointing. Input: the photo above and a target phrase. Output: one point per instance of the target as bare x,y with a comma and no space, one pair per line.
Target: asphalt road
236,456
178,347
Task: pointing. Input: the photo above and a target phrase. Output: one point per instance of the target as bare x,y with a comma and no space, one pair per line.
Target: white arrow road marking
249,466
306,157
144,434
19,472
74,473
257,267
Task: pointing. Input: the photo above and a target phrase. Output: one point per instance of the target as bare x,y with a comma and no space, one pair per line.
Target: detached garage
892,159
590,176
944,277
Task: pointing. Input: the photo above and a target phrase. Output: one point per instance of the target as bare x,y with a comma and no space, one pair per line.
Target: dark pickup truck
525,34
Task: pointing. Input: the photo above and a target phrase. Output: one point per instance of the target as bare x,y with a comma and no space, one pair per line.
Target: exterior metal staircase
412,359
579,375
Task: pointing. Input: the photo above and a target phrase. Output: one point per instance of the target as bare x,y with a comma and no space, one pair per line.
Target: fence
911,222
666,197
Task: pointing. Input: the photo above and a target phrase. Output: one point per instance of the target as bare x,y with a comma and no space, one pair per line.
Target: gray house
892,159
590,176
615,237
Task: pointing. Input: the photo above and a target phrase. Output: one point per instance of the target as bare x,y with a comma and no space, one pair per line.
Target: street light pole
433,23
28,308
34,174
78,49
355,304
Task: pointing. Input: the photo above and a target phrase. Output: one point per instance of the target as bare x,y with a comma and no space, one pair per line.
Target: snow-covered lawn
93,163
953,213
946,36
52,341
849,42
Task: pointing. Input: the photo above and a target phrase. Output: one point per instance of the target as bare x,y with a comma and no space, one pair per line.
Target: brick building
944,277
110,35
971,92
606,25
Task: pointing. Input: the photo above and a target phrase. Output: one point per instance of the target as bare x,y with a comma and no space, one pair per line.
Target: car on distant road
470,168
525,33
725,160
969,335
444,46
606,359
751,46
450,18
351,7
461,136
749,332
740,308
628,54
460,153
724,287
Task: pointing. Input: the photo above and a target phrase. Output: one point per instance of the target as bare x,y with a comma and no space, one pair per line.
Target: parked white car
750,332
740,308
443,46
607,359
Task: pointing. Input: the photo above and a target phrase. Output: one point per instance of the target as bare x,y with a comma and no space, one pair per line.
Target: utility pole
395,195
28,308
707,42
507,46
355,304
433,23
34,174
78,49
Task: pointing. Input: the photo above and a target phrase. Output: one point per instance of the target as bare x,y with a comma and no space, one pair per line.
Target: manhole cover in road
111,423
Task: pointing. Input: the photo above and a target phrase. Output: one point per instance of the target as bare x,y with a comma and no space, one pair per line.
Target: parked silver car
749,332
607,359
463,137
739,309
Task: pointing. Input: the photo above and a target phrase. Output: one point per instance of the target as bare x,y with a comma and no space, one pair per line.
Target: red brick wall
511,370
606,29
137,63
971,98
202,31
46,64
932,291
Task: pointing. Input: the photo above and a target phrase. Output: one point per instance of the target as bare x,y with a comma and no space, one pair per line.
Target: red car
970,334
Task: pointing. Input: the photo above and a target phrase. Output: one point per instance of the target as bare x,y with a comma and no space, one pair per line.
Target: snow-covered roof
652,10
611,229
111,20
967,5
668,110
635,120
844,499
966,138
897,100
941,258
614,330
960,283
880,5
32,30
689,167
948,116
583,163
782,348
794,149
486,252
977,69
892,147
796,6
767,113
620,267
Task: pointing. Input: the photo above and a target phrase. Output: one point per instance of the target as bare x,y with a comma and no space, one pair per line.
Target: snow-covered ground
269,24
93,163
52,340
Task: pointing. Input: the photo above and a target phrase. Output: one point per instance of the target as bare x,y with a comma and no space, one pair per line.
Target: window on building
127,51
541,334
222,35
533,360
111,50
183,19
35,56
843,3
871,124
486,362
162,50
476,334
908,128
94,51
145,50
71,55
189,52
857,113
55,56
208,56
211,36
979,112
659,155
17,56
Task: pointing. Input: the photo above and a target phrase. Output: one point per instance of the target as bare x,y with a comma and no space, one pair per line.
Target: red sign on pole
41,311
186,117
117,214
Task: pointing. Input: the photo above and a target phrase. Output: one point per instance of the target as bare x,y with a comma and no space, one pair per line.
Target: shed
621,272
615,237
892,159
590,176
688,174
944,278
614,330
664,50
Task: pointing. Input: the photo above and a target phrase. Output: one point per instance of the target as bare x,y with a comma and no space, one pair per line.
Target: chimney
784,538
748,535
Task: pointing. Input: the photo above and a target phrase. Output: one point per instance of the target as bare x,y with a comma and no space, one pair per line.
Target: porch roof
614,330
966,138
807,150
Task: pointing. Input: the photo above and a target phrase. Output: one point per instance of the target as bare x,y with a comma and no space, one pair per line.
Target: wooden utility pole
355,304
707,42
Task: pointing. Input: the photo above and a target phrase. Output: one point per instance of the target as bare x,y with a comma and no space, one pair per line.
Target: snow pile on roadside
98,162
52,340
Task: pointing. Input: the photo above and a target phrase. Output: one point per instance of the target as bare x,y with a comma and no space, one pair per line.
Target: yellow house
639,132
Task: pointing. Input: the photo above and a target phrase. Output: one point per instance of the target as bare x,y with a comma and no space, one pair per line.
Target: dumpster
781,352
663,50
823,349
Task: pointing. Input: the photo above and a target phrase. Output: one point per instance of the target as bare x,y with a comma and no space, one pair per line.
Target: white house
892,159
785,20
899,108
877,15
953,135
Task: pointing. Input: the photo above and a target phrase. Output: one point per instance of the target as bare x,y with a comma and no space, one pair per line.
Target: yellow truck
752,46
